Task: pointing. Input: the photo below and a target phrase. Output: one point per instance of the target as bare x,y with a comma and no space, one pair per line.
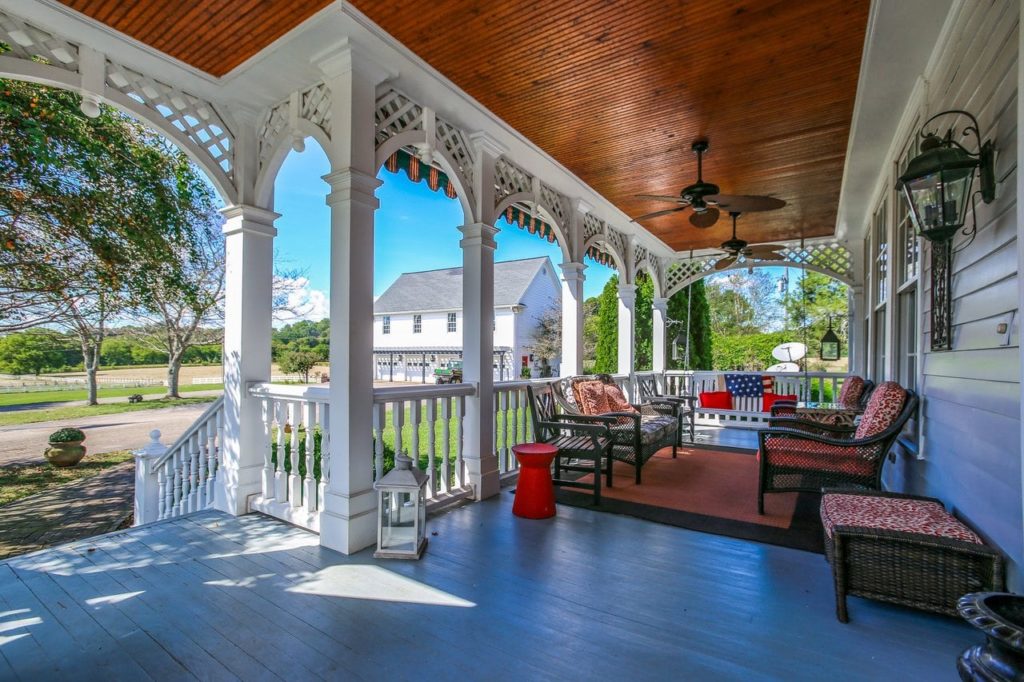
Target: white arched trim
281,146
542,213
644,266
44,74
682,284
413,137
599,242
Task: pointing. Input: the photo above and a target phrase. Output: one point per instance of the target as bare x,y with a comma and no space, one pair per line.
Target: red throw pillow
770,399
591,397
616,400
716,400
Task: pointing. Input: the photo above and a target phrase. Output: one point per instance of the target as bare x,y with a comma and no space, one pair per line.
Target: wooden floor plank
584,595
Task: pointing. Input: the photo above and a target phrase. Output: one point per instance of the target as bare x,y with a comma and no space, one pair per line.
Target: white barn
417,321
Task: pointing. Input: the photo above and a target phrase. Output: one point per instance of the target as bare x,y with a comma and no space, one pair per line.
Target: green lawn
32,397
21,480
78,411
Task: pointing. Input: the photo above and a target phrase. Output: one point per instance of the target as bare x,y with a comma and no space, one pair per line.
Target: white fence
180,479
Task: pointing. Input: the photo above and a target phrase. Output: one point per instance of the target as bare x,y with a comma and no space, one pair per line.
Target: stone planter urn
66,449
1000,615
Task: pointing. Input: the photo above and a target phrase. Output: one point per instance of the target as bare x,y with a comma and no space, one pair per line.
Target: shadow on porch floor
496,597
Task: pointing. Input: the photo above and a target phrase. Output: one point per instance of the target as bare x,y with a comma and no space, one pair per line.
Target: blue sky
415,228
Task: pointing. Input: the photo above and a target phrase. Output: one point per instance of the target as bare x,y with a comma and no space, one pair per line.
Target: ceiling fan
705,200
736,247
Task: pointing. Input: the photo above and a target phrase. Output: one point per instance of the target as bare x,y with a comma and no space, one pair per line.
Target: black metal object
942,296
831,346
1000,616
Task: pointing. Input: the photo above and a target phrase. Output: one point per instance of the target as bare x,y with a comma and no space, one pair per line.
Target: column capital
247,219
485,143
627,294
580,206
352,185
573,272
346,57
478,234
660,304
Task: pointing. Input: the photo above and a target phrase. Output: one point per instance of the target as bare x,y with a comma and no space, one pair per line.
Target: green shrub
67,435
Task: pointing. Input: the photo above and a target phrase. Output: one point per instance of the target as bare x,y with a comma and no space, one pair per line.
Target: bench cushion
653,429
893,513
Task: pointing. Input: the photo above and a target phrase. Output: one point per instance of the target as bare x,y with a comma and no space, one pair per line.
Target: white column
348,522
627,333
572,318
477,356
248,300
660,317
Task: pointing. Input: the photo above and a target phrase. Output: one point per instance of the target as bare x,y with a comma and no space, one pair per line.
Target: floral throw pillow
616,400
591,398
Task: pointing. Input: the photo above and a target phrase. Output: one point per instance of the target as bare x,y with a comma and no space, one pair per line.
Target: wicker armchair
636,436
682,407
583,443
809,456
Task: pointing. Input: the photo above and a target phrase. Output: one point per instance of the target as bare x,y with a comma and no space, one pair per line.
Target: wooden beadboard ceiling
615,91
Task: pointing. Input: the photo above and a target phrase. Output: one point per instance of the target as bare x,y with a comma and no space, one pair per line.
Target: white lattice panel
395,114
681,273
275,122
194,117
454,142
830,257
315,106
509,179
555,203
592,227
28,42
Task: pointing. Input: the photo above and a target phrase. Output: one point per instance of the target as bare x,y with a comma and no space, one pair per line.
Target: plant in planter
66,449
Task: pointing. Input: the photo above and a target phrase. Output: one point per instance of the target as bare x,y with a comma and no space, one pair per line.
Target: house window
881,255
417,324
452,325
879,344
907,340
906,235
386,324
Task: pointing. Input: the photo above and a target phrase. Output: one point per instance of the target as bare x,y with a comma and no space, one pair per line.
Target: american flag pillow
744,385
768,383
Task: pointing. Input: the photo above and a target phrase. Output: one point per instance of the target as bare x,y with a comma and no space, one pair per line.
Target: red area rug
712,491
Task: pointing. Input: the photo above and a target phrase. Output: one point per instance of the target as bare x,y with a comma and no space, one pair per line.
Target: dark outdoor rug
711,491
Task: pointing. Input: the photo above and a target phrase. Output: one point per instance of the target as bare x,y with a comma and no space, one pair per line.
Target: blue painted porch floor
586,595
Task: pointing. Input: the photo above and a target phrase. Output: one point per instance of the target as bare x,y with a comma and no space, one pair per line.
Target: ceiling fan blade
767,255
705,218
745,203
662,197
658,213
723,263
768,247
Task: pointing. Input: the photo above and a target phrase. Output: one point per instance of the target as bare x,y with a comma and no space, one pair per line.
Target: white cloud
295,299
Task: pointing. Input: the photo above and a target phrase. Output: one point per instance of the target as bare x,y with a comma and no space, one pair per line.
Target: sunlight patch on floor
375,583
113,598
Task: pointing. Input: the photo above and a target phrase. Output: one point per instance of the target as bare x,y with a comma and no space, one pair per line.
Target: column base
234,487
484,476
353,531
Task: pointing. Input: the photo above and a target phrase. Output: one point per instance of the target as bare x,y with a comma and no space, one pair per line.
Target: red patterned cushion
770,399
850,393
807,454
883,408
591,397
616,400
716,400
893,513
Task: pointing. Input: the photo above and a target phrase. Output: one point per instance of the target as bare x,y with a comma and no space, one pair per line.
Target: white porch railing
425,422
296,455
180,479
513,422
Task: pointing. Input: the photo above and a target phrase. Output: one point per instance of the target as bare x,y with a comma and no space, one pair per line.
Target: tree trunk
173,375
90,361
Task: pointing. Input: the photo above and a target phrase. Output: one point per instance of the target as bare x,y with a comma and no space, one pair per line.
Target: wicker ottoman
905,550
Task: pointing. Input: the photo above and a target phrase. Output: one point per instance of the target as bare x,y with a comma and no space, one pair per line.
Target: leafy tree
606,353
298,362
808,307
547,339
29,353
590,333
751,352
698,328
643,322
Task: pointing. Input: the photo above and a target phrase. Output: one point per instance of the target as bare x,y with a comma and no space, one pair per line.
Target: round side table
535,493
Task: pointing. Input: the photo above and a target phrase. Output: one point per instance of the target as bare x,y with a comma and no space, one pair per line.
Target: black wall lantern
830,343
937,183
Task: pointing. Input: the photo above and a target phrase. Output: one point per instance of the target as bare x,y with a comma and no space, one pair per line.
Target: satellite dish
783,367
789,352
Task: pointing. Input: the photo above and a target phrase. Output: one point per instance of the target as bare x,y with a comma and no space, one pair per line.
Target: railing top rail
522,383
300,392
393,393
792,375
190,431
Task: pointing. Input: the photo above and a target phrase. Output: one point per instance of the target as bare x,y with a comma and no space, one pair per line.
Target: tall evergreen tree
606,355
698,326
644,322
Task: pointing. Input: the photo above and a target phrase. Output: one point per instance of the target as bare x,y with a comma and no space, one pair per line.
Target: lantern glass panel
940,199
829,350
398,520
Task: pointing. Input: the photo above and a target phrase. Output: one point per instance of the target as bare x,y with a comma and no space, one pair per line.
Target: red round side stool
535,493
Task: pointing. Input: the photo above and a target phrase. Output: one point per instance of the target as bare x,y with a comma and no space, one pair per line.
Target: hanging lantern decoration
938,182
402,511
830,344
